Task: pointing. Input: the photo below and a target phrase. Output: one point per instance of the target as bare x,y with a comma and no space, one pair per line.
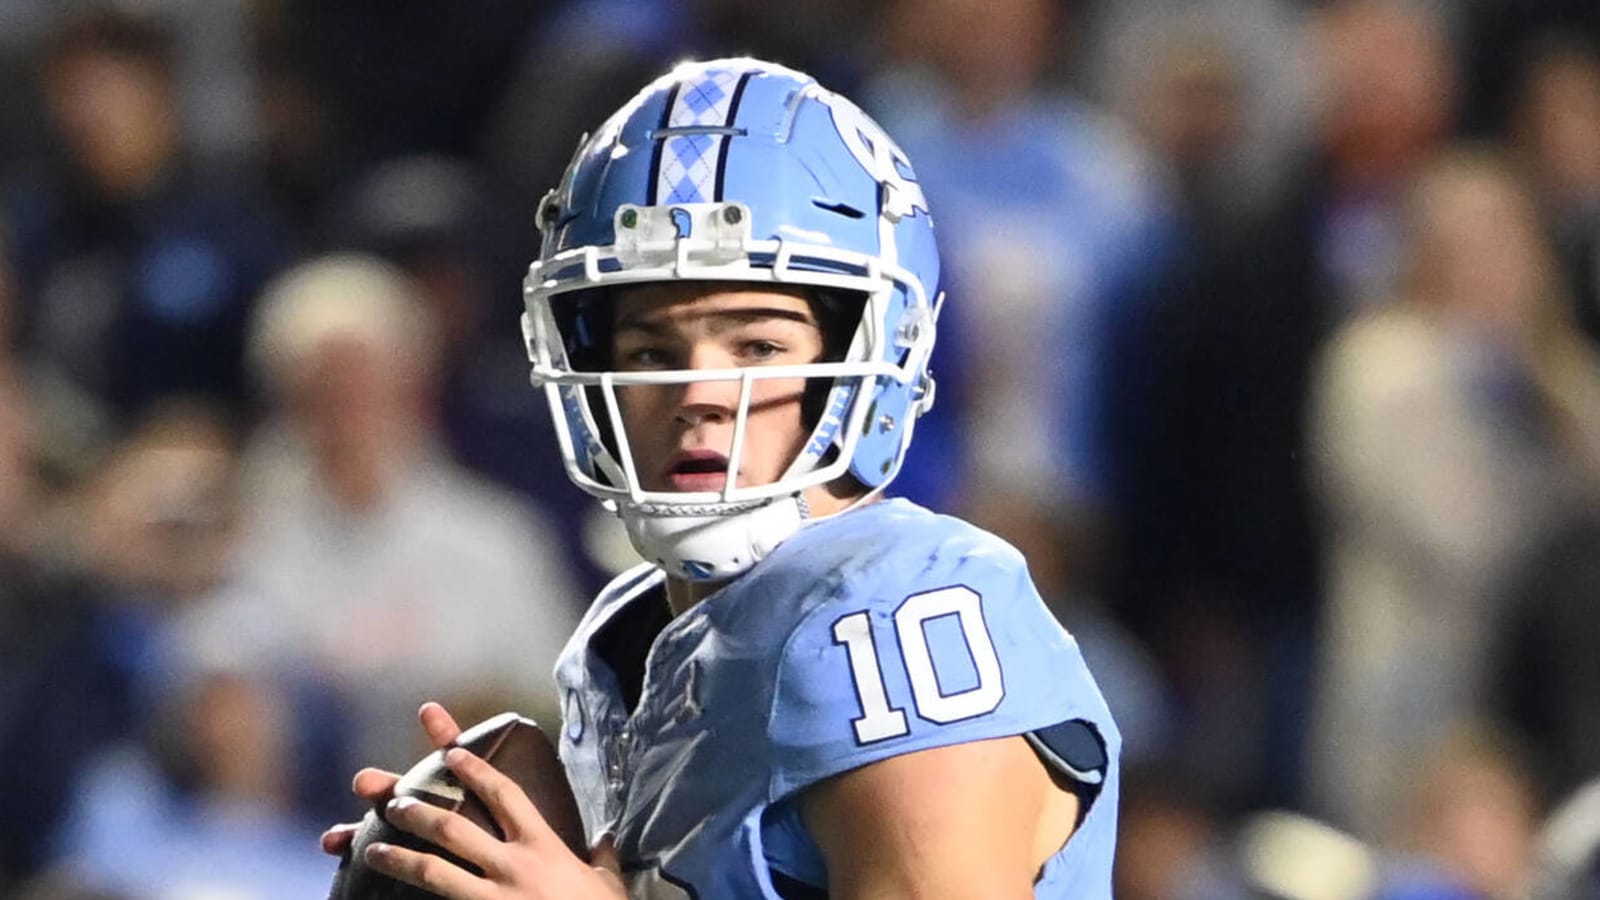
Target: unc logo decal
682,222
879,155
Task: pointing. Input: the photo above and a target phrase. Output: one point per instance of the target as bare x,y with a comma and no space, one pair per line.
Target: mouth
698,470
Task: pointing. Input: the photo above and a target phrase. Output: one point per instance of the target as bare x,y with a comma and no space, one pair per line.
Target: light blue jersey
877,632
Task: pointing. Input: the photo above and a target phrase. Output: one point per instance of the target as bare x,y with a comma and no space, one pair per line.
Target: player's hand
375,786
532,863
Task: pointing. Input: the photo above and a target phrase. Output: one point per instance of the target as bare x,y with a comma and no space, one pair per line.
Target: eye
760,350
645,358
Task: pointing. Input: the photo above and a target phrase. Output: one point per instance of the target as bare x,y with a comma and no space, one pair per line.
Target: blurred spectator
91,592
436,219
392,571
1464,825
157,534
34,625
159,519
1390,88
1555,127
1498,36
1217,91
1217,554
201,804
1450,428
134,268
211,69
1048,220
1177,848
1171,845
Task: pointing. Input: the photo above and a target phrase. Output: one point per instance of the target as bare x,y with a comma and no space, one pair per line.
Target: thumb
604,855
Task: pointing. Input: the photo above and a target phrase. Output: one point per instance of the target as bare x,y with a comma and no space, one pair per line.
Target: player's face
682,434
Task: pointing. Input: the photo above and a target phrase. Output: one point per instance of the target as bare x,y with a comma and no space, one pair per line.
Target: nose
711,400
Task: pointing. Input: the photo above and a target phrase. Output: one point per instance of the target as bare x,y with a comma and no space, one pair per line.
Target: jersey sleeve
953,647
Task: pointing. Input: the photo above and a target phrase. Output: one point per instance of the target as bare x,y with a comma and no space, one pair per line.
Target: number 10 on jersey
880,721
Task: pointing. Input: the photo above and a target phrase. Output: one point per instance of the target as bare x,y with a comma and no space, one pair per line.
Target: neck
683,596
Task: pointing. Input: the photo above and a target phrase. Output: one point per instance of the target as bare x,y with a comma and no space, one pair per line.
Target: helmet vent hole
843,209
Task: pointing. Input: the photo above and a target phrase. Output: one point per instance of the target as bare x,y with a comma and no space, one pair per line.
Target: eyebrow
743,316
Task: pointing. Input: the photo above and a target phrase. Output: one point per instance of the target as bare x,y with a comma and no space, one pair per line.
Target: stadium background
1272,342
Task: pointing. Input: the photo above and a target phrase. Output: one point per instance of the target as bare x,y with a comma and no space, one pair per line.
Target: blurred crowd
1274,342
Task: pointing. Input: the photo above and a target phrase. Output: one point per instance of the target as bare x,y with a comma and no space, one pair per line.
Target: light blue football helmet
744,171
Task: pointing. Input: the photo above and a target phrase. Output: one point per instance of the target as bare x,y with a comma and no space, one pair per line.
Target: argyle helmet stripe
689,162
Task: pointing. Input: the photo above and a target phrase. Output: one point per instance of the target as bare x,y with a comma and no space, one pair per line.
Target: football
512,744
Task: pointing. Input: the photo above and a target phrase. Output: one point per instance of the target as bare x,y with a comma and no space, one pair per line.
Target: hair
135,39
1431,200
838,315
339,295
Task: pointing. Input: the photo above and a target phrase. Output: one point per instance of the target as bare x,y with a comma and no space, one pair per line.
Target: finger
449,831
511,808
374,785
336,840
439,725
434,874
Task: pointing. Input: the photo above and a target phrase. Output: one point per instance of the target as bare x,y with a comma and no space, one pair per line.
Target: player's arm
964,820
940,732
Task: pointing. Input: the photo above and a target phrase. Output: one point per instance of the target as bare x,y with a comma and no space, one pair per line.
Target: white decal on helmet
879,155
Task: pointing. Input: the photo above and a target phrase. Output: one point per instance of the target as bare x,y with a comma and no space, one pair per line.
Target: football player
807,690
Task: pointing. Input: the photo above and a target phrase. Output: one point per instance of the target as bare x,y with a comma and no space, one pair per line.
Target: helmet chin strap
711,543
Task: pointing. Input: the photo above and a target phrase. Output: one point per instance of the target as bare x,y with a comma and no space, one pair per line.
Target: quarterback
808,690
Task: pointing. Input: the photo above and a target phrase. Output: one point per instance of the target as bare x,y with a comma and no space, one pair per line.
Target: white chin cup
707,546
